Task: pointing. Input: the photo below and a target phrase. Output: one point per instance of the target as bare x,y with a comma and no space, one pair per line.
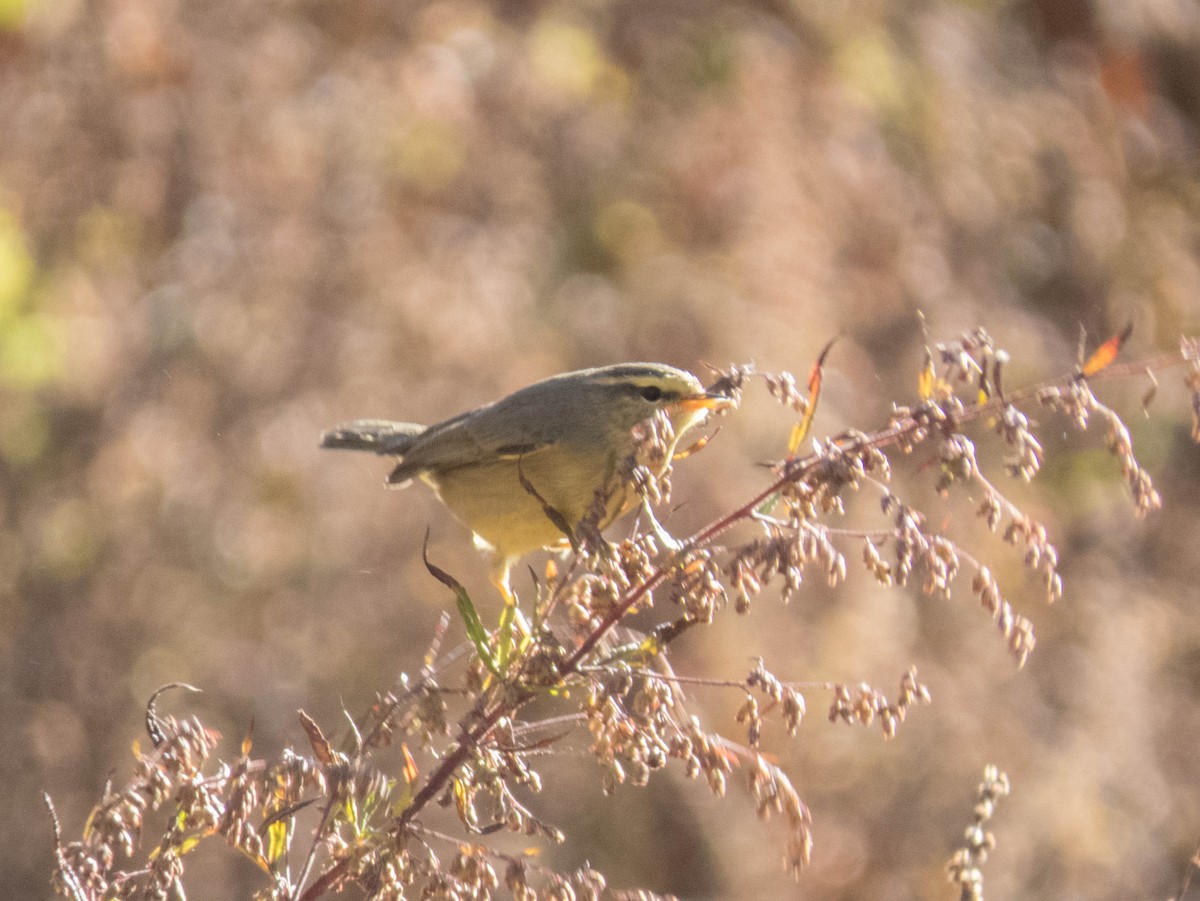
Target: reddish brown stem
793,471
798,469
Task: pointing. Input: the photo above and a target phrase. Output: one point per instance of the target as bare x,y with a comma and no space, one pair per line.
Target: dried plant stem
327,814
793,471
370,835
64,870
466,745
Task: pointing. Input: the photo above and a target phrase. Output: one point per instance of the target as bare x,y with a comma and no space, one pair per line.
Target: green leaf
466,609
765,508
505,635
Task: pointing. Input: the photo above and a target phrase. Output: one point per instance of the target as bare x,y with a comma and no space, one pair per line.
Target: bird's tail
376,435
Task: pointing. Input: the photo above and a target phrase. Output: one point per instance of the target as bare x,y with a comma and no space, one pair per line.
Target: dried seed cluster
1016,629
790,701
697,588
1077,402
583,885
172,771
965,867
648,468
862,704
785,551
773,794
783,388
1026,459
631,726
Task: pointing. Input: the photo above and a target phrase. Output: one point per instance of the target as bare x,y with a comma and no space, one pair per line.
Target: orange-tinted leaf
796,438
316,738
259,860
411,773
1106,352
727,755
800,430
248,741
927,379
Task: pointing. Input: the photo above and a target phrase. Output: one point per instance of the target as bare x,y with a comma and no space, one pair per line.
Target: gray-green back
583,409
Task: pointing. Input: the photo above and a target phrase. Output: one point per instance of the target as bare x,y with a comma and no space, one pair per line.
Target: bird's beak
705,401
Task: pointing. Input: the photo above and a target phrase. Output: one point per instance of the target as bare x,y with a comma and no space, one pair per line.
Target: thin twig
69,878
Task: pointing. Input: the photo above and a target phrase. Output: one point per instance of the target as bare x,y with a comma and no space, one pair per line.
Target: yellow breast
489,498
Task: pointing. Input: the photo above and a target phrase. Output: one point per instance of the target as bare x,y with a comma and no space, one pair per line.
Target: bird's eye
651,393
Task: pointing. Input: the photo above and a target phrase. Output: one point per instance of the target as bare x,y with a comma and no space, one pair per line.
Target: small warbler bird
566,435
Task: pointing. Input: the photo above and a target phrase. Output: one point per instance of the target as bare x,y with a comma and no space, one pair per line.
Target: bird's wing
484,434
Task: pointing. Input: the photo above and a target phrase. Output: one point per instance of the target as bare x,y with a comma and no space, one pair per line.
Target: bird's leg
511,615
501,569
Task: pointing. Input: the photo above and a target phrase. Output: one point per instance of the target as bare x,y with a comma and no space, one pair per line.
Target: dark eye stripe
654,394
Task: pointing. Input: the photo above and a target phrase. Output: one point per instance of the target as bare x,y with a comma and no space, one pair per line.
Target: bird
517,470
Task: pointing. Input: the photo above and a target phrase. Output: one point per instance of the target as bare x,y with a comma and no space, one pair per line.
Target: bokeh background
228,224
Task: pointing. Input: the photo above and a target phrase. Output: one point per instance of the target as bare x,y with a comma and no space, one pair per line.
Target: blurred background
228,224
